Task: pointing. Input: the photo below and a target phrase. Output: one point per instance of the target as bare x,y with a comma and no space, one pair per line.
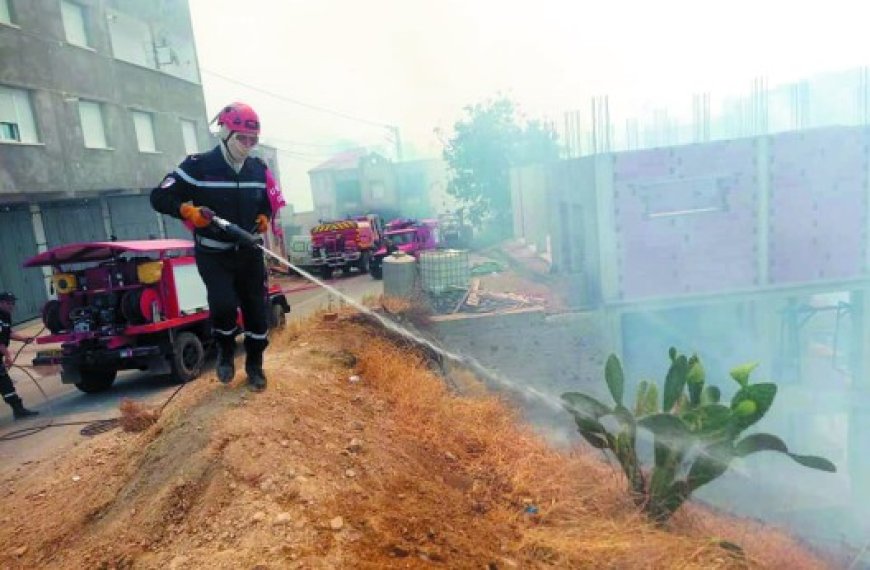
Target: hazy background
415,64
331,75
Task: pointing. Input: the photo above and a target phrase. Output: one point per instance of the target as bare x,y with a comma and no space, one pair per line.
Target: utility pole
397,139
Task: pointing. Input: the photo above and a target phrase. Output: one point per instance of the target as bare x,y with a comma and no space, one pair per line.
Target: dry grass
137,417
415,310
421,477
466,460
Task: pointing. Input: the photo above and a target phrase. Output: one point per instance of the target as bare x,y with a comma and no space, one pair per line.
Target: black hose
96,426
236,232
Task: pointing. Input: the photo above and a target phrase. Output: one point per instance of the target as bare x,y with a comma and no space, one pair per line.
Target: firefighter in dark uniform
7,388
228,183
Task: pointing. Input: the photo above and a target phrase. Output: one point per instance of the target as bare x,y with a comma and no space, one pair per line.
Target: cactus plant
695,437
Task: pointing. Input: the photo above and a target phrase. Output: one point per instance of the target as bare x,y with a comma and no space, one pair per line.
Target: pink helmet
239,118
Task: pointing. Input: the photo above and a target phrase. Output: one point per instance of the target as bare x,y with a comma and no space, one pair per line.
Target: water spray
530,393
250,239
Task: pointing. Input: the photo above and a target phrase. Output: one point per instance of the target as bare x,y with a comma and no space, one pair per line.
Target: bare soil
357,456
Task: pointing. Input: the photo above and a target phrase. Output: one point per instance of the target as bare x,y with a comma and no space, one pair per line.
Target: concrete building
422,188
98,100
300,223
269,155
751,249
359,181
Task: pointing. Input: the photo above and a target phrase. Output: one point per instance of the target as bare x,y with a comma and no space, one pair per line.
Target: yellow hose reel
149,272
64,282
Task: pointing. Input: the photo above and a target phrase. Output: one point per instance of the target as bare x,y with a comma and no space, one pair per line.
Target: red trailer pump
128,305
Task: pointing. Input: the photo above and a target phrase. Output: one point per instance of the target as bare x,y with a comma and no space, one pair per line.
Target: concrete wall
530,206
410,189
788,210
818,204
269,154
302,222
36,57
684,214
551,353
556,211
422,188
57,179
323,193
377,186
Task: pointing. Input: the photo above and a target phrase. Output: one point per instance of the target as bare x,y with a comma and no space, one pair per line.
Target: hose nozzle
236,232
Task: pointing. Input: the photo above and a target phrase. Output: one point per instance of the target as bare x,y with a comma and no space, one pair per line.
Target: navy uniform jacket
5,337
5,329
207,180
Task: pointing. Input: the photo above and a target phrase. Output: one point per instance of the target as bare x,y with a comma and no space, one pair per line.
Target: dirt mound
357,456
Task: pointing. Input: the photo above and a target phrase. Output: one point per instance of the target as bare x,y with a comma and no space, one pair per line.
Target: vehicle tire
364,262
326,272
277,316
51,316
95,380
377,271
188,356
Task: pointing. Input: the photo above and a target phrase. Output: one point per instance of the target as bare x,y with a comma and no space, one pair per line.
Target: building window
16,116
5,12
74,23
144,124
131,40
93,127
188,131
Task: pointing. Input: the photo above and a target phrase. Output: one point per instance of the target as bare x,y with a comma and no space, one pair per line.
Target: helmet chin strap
230,152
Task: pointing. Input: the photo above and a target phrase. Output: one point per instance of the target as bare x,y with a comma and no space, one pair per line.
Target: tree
486,143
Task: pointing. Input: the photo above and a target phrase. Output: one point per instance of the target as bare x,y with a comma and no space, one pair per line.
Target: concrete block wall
550,353
734,216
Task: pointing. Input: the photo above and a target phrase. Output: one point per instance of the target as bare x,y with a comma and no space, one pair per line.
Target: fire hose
249,239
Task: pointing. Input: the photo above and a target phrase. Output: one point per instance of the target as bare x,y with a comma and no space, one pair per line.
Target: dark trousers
7,389
236,279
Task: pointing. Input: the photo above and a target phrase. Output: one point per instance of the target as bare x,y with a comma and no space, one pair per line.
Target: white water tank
443,269
400,275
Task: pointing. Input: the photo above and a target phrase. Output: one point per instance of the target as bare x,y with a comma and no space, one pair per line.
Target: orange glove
199,217
262,224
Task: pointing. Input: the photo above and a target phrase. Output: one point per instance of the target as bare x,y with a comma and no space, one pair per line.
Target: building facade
358,181
748,249
98,100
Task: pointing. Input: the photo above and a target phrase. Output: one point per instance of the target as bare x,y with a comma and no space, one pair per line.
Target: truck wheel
277,316
95,380
326,272
377,271
364,262
188,357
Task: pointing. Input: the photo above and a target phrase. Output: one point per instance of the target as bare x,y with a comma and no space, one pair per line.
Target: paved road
65,403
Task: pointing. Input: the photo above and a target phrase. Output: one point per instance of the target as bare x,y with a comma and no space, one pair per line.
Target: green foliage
615,380
741,373
693,433
647,399
485,144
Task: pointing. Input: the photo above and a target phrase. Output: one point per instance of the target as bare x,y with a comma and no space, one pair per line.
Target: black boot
226,366
254,364
18,410
254,369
